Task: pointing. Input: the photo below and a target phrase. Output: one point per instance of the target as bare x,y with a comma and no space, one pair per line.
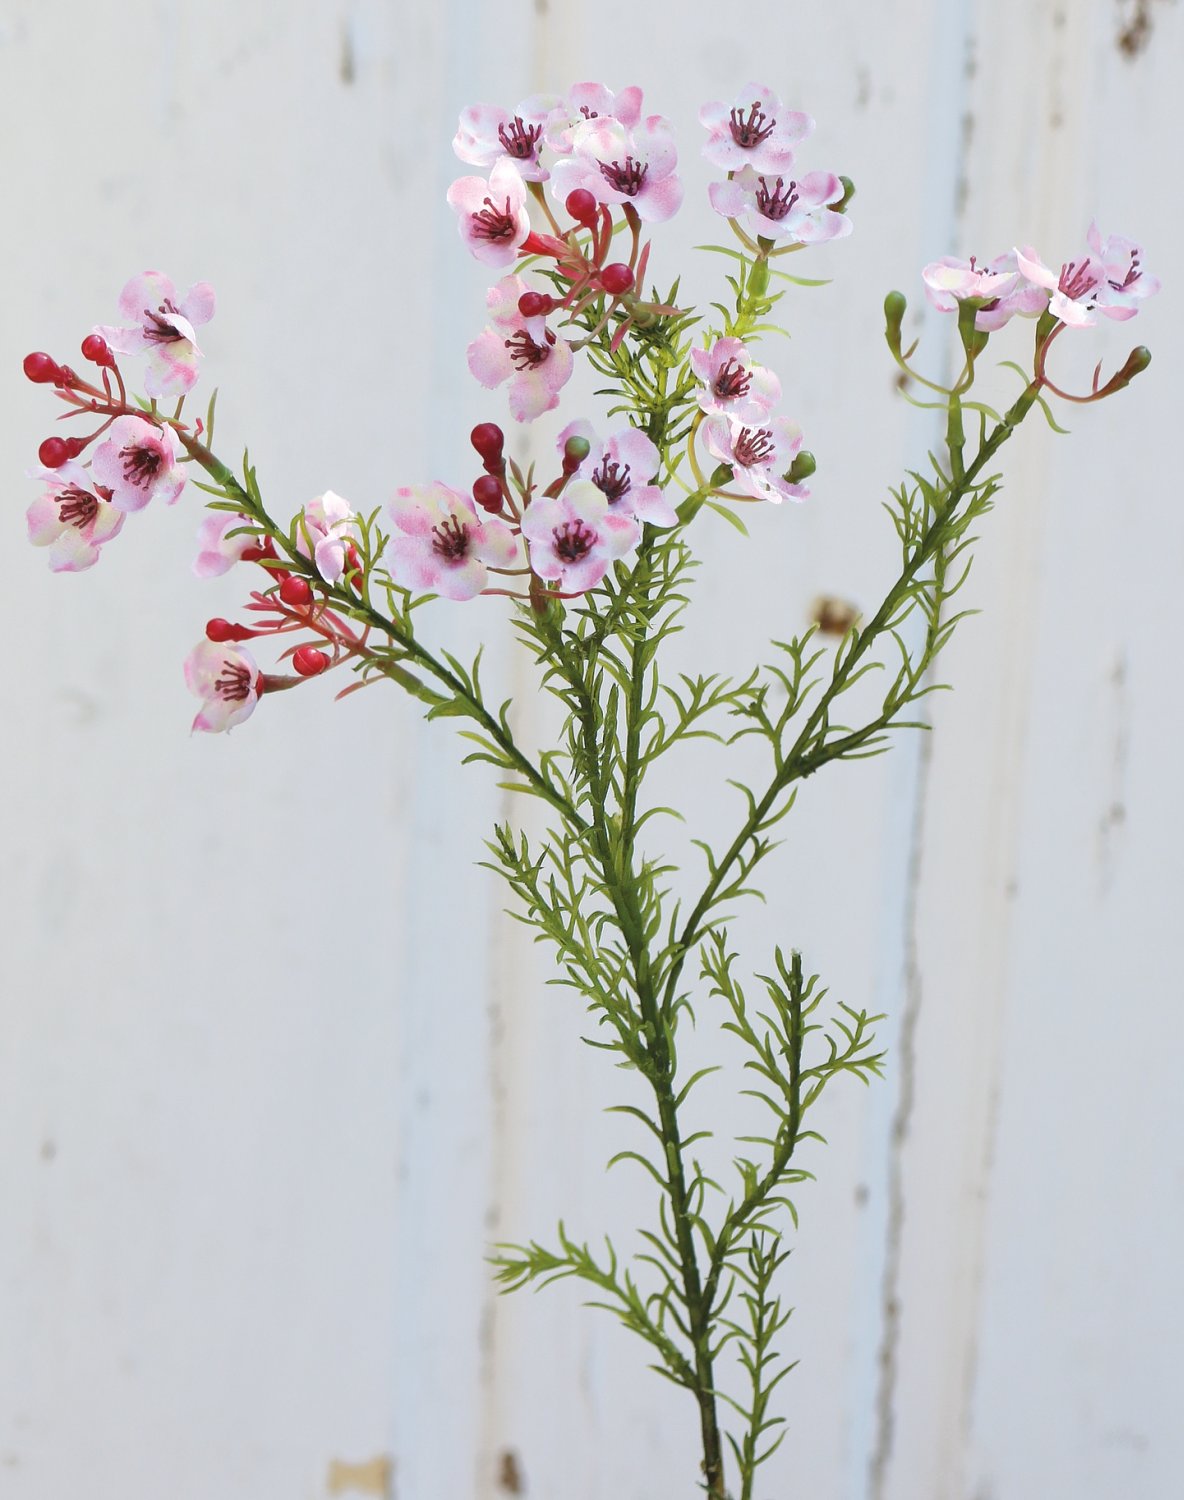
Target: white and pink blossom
522,351
1003,291
732,384
783,208
488,135
1124,282
1074,292
622,468
492,216
325,529
225,677
755,131
617,165
138,462
590,101
575,536
73,517
760,456
217,549
163,327
447,546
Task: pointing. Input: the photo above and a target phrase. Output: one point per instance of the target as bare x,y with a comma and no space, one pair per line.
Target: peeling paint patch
509,1473
375,1477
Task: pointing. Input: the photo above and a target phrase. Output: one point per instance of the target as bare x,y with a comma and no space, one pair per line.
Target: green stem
800,761
414,650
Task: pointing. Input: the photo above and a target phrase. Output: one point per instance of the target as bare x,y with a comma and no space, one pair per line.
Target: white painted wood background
274,1070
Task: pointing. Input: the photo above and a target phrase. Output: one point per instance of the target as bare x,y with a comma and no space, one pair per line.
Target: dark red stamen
751,129
140,465
519,139
76,507
776,201
1077,280
732,381
234,685
490,223
525,353
158,327
753,446
573,540
626,178
451,539
612,479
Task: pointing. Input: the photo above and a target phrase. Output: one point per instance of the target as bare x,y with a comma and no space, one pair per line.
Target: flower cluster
569,186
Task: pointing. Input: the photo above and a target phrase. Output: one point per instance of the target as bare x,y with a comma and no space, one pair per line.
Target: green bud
1136,362
758,278
802,467
575,451
973,341
848,193
720,476
895,306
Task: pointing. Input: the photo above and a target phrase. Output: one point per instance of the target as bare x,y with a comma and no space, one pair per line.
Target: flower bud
583,208
489,440
575,451
308,661
487,492
54,452
802,467
848,193
98,351
220,630
41,369
616,279
895,306
1136,362
295,590
536,304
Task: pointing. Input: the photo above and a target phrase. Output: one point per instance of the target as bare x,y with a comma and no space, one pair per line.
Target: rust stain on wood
375,1477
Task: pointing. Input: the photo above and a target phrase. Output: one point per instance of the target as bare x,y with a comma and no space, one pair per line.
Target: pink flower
324,529
1003,291
1124,282
521,350
492,216
575,536
226,678
733,385
756,131
488,135
217,550
780,208
590,101
621,468
73,517
617,165
446,544
163,329
760,456
138,463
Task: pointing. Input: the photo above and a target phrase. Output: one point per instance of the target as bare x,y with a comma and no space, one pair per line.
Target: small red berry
487,492
75,446
489,440
54,452
40,368
582,206
308,661
295,590
97,350
219,630
616,279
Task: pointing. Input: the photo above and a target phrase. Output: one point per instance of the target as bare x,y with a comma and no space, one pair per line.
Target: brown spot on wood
833,616
1135,22
374,1477
509,1473
347,65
